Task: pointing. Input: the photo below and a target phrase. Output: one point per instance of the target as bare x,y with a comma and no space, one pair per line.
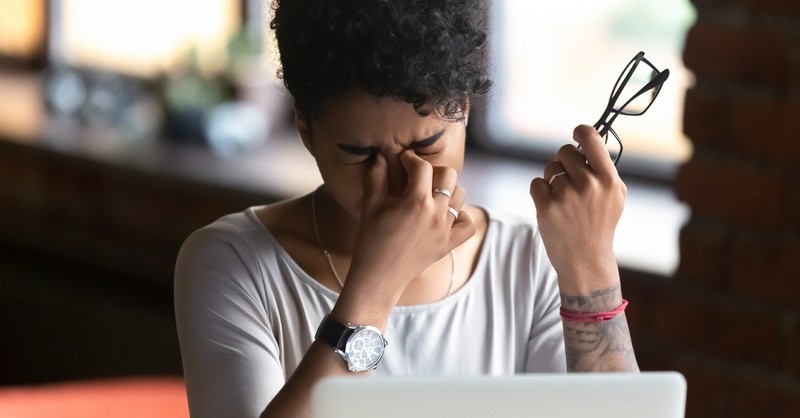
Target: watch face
364,349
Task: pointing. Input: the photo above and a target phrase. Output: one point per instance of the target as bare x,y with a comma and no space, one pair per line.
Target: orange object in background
151,397
22,27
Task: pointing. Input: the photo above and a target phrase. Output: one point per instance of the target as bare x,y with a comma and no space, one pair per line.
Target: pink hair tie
593,316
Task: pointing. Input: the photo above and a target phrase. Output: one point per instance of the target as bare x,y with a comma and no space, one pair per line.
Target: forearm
294,399
598,346
356,305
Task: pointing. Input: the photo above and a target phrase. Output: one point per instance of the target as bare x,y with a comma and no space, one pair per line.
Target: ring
453,212
443,192
553,177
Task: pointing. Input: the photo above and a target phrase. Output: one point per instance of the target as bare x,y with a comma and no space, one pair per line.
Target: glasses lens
632,100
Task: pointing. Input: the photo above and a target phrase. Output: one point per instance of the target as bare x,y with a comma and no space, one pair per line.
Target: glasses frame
653,87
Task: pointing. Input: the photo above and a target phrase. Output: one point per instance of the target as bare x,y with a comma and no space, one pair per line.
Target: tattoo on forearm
602,346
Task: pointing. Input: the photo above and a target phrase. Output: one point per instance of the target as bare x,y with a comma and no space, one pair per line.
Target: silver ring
453,212
443,192
553,177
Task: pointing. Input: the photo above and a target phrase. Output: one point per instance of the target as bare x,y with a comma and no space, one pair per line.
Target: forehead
363,117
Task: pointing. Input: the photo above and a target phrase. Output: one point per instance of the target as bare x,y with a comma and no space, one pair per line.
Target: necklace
333,268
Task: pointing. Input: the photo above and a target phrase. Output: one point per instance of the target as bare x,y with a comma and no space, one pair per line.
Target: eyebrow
420,143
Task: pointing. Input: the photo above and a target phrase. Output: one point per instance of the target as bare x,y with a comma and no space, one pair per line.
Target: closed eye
427,142
357,155
428,146
423,146
358,151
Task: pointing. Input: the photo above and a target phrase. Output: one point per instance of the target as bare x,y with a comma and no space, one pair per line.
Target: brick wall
730,321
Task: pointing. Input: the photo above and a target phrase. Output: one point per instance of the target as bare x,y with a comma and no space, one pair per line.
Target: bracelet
593,316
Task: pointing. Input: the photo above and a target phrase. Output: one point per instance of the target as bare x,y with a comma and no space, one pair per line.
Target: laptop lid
617,395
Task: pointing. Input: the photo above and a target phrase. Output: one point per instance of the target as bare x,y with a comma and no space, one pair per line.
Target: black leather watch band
334,333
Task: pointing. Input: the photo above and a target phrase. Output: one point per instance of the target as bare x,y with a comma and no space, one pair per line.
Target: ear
303,125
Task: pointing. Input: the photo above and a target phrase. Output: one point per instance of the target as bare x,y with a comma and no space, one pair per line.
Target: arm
577,214
231,358
599,346
397,239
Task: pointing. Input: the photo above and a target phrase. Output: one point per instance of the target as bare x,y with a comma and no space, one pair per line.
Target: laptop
614,395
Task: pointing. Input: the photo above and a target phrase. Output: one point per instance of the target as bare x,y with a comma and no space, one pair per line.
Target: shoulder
224,232
237,250
231,251
507,227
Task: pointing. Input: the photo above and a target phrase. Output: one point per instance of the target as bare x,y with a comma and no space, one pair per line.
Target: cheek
347,187
352,196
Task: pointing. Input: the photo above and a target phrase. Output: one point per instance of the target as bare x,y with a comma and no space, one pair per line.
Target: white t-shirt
246,314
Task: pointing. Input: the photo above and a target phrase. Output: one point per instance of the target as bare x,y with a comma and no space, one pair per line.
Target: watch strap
334,332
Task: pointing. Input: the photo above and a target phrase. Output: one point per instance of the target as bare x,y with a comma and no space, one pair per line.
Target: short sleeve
231,359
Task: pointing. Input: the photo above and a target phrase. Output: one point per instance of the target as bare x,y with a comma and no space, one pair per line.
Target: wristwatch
361,346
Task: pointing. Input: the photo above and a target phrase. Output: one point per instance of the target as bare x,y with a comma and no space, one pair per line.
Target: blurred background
116,123
125,125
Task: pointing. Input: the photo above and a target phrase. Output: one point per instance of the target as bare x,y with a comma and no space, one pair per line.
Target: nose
396,176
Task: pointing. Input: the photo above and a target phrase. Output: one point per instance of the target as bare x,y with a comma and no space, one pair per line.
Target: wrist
364,303
360,346
593,317
586,279
602,300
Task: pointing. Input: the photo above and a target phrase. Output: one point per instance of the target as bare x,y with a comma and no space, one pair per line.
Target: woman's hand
400,236
578,212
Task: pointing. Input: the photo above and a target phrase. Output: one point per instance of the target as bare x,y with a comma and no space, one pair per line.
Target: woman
386,249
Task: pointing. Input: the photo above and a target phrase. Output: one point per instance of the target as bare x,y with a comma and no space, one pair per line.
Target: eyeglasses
645,82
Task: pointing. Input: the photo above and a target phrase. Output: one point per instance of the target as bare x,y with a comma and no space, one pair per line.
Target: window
143,37
22,29
555,65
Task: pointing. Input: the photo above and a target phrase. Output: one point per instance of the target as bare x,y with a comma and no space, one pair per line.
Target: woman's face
350,132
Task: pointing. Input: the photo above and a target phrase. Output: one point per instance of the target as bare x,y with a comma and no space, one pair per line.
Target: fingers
450,198
463,228
455,203
553,170
574,165
420,174
444,183
540,192
594,149
424,181
569,167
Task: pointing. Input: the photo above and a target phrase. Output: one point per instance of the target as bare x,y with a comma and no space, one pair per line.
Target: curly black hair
430,53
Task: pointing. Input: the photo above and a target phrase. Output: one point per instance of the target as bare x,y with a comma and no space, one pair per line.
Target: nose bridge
396,175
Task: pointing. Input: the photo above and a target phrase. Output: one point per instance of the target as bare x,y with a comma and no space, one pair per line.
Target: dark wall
730,319
87,249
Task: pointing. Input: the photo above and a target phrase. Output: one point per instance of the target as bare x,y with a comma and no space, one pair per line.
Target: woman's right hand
400,236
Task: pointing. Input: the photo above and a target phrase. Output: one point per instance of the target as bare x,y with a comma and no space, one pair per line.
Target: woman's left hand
579,203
